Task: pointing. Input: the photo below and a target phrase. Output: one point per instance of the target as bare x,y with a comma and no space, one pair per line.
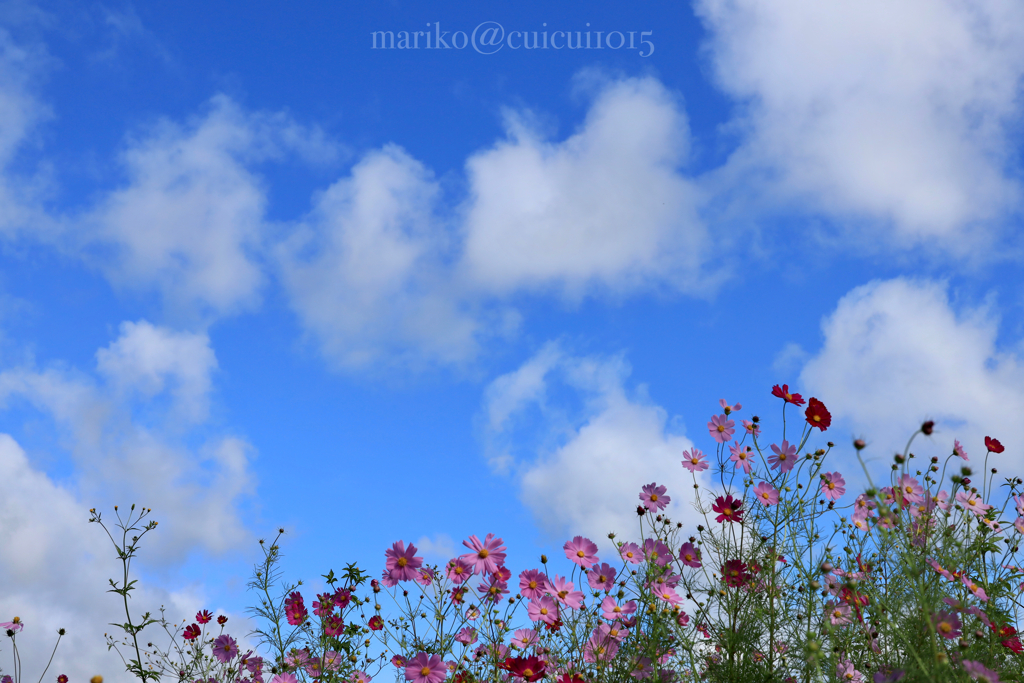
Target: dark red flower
191,632
574,678
783,393
204,616
993,445
728,508
818,415
528,668
295,609
734,573
62,679
502,573
333,625
222,620
375,623
554,626
341,597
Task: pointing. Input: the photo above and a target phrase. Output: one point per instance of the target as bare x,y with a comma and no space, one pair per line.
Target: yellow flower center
654,497
721,428
831,486
484,552
402,562
425,671
543,610
945,627
527,673
533,584
580,553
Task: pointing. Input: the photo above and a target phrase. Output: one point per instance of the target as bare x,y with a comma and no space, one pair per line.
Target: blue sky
257,273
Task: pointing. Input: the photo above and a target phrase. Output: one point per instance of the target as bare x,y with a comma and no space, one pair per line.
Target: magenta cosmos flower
656,551
721,428
654,498
766,494
295,609
581,551
630,552
978,672
728,509
833,485
533,584
689,555
402,564
910,489
694,461
486,556
783,457
424,668
947,624
564,591
225,648
14,625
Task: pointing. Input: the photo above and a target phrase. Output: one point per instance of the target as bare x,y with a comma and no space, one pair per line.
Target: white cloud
895,113
366,271
590,469
438,549
606,208
897,352
147,358
55,572
189,223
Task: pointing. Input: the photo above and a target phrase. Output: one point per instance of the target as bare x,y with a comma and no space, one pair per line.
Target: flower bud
966,471
543,559
859,444
928,427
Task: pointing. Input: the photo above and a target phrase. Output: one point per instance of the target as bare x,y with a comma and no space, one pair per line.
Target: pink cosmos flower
401,564
977,611
610,609
284,678
601,577
947,624
783,457
564,591
459,570
978,591
972,501
324,606
466,636
654,498
225,648
721,428
630,552
689,555
294,609
359,677
424,668
493,590
766,494
978,672
838,613
846,673
694,461
533,584
424,576
486,556
752,428
833,485
656,551
741,456
388,579
1018,524
600,648
543,609
581,551
642,668
525,637
725,406
910,489
959,450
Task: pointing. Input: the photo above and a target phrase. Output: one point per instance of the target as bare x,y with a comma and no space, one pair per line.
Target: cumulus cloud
366,269
607,207
893,115
590,467
189,222
55,572
148,359
898,352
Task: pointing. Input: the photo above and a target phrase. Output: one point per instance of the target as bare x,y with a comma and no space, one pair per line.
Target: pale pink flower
846,673
543,609
694,461
766,494
972,501
978,672
721,428
752,427
656,551
1018,502
838,613
581,551
741,456
959,450
910,489
725,406
525,637
401,564
630,552
600,648
833,485
978,591
564,591
689,555
947,624
459,570
487,556
783,457
1018,524
466,636
613,610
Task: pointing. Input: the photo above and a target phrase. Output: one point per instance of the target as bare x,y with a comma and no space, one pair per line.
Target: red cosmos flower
528,668
783,393
573,678
553,626
735,574
818,415
993,445
62,679
295,609
191,632
222,620
204,616
375,623
728,508
1010,639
